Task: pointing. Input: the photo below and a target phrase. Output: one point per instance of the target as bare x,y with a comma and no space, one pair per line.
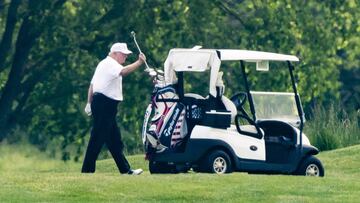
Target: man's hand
88,109
142,58
132,67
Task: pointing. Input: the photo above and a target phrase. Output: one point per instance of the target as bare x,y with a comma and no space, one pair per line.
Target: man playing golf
105,92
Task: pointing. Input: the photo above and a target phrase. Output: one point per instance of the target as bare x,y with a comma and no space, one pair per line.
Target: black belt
98,94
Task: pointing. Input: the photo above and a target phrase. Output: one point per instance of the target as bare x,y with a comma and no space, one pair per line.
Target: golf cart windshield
276,105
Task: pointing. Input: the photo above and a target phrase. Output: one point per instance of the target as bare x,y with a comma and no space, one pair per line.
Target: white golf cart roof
199,60
253,56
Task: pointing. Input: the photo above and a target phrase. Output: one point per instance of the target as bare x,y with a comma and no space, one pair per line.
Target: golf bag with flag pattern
167,128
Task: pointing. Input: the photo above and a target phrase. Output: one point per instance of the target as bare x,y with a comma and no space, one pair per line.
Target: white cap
120,47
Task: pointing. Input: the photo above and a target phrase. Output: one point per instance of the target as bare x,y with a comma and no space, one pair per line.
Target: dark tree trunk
25,41
31,28
5,43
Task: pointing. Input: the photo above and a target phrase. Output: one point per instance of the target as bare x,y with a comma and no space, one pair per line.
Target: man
105,92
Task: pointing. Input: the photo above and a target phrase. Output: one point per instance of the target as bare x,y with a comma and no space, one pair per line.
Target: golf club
151,71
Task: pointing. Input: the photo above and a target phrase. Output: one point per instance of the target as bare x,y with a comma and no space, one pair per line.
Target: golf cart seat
193,95
278,132
230,106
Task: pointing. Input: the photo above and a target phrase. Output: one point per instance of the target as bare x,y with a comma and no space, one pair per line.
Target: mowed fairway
28,176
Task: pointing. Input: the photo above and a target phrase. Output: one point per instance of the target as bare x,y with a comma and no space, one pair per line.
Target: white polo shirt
107,79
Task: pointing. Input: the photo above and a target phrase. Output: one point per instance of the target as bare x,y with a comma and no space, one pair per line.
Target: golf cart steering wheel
239,100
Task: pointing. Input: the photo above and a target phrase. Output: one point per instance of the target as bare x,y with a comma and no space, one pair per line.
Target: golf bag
167,128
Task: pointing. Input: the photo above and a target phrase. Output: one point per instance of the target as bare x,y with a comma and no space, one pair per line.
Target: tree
31,26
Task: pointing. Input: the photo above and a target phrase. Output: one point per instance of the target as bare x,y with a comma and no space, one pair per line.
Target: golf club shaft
137,45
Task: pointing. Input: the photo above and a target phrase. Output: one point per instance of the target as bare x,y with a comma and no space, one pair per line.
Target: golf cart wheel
161,167
218,162
311,166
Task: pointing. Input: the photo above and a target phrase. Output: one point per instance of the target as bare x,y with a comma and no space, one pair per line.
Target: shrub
331,128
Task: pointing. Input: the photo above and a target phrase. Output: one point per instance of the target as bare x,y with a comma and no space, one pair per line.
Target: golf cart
219,135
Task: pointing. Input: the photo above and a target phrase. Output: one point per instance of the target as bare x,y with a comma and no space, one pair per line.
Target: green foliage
331,128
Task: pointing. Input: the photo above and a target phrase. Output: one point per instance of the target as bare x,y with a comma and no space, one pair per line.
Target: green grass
28,176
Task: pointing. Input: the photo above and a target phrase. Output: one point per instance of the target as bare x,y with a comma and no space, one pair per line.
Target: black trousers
104,131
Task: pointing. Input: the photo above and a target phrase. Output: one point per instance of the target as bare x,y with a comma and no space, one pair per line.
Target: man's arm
132,67
89,100
90,94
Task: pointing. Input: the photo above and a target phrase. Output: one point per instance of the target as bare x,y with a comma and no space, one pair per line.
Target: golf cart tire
161,168
211,162
311,166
